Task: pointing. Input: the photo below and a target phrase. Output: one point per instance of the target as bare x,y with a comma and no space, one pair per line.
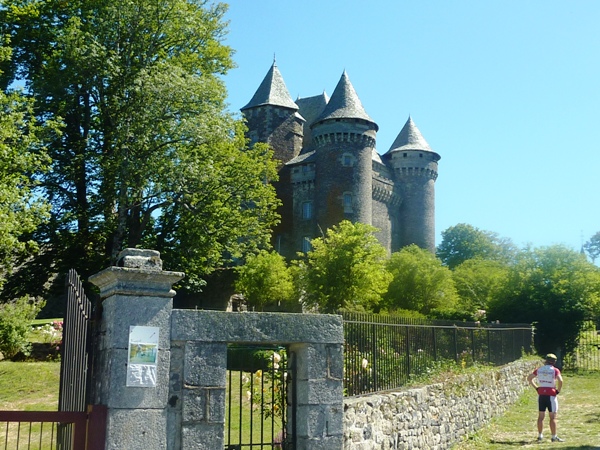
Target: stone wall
435,416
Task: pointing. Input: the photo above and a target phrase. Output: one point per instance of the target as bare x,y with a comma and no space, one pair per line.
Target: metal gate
259,384
587,353
76,356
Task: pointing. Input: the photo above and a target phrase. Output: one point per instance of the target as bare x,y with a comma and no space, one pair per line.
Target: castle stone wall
435,416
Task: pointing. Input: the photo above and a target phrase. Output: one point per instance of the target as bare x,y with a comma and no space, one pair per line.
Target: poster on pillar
143,356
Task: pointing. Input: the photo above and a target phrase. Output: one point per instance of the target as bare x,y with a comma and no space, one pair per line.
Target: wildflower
276,357
365,363
249,395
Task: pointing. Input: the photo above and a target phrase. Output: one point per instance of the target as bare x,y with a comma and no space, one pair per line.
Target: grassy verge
29,386
578,420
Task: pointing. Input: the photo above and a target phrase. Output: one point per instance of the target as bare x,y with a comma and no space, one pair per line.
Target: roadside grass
578,420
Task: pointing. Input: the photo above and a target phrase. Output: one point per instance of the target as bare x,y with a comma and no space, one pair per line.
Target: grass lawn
29,386
578,420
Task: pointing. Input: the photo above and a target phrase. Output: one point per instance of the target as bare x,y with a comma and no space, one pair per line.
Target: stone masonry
185,410
433,417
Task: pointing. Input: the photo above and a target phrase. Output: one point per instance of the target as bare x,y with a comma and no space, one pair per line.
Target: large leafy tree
420,282
592,247
344,270
555,287
463,241
264,280
478,282
148,154
22,160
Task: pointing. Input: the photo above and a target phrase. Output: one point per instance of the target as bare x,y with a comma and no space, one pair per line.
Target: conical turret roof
410,138
344,103
272,91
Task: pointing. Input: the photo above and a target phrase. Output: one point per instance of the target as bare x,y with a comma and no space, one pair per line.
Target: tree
462,242
22,159
148,154
344,270
554,287
265,280
592,247
420,282
478,282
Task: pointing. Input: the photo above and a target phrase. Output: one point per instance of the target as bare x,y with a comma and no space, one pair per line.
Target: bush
15,320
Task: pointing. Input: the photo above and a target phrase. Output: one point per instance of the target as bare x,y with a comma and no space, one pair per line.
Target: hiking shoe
557,439
540,439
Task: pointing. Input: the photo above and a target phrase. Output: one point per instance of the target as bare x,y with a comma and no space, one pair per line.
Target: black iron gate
76,355
258,398
586,355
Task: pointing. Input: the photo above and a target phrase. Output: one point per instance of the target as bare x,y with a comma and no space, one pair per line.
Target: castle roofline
410,138
312,107
302,158
272,91
345,104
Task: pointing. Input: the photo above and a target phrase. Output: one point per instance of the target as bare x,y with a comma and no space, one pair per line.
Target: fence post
137,293
456,343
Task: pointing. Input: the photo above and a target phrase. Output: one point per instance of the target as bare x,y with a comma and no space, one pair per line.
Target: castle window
405,155
306,247
347,202
307,210
347,160
420,155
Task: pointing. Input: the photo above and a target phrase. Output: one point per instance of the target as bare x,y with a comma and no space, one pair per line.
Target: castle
330,169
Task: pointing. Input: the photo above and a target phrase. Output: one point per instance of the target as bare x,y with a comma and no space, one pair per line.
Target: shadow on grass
508,442
522,443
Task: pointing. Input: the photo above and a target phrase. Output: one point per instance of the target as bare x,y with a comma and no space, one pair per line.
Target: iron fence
386,352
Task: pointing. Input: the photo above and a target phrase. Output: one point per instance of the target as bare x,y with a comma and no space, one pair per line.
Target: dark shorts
548,402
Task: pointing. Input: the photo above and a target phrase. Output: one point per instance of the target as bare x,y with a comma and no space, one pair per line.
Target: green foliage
22,159
478,282
149,155
15,320
419,282
463,242
265,279
592,247
555,287
344,270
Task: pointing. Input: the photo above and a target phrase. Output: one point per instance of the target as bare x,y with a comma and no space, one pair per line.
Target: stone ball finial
137,258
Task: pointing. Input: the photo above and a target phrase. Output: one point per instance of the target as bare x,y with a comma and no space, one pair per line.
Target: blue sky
507,92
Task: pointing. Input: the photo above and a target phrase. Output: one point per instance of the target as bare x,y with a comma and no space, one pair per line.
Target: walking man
549,383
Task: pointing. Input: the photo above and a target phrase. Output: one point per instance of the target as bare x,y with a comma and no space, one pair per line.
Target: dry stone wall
436,416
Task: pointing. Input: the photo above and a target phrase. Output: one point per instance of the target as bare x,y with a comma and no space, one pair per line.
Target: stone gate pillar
136,293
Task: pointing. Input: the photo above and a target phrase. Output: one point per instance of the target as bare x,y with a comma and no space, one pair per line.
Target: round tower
415,167
344,138
272,117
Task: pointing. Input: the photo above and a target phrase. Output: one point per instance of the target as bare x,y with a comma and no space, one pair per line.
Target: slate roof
409,138
302,158
272,91
344,103
312,107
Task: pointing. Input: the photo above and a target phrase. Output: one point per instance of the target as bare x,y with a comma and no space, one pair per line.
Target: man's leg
540,422
553,423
